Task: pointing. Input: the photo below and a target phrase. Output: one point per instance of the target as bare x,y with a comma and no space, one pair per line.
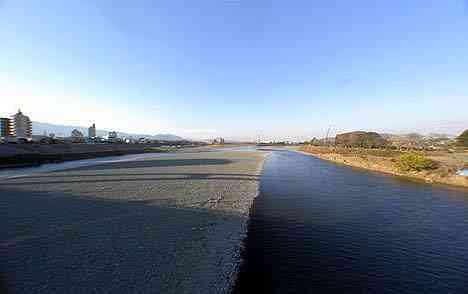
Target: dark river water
317,227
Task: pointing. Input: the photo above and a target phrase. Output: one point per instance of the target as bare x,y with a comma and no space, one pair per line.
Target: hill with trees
361,139
462,140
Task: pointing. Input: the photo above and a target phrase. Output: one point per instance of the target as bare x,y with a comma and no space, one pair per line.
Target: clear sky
237,68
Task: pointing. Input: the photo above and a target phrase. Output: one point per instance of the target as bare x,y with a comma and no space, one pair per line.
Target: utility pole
328,132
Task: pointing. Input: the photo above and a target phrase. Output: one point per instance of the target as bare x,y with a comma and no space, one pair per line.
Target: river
318,227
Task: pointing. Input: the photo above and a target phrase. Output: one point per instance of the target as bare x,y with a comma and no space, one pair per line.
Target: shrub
414,162
462,140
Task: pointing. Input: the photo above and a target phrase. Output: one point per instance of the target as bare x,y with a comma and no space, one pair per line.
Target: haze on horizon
236,68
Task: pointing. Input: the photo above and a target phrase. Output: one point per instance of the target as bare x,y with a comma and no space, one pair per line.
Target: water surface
463,172
317,227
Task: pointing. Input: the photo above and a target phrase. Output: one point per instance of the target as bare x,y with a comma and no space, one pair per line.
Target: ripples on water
317,227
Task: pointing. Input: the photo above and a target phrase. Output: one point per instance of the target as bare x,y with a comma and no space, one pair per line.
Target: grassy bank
33,159
437,167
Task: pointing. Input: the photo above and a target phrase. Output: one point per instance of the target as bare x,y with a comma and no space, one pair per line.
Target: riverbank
22,155
385,161
171,224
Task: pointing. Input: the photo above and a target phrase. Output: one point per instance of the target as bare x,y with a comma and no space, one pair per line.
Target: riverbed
149,223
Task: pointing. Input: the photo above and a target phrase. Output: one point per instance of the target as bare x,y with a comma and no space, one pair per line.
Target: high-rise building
6,127
22,126
92,131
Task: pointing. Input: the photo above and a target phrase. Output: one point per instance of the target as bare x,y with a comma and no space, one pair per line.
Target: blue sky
237,68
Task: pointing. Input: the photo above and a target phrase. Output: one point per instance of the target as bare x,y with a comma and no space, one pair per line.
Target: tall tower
92,131
22,125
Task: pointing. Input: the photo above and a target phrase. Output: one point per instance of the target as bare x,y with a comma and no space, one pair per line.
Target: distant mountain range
64,131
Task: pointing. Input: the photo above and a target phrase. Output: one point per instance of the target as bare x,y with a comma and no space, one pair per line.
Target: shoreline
239,253
36,159
384,165
33,156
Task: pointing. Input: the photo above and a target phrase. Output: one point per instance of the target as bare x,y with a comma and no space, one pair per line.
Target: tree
77,136
462,140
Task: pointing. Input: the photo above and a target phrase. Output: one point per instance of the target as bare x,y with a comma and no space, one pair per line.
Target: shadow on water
3,283
62,242
325,228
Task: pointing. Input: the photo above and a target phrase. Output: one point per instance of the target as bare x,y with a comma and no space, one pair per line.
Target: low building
128,140
113,138
112,135
39,138
6,128
217,141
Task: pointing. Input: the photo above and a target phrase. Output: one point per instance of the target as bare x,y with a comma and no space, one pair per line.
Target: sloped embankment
385,161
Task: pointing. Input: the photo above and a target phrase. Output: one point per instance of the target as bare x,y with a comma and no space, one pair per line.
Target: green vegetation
388,153
361,139
314,141
159,149
462,140
414,162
